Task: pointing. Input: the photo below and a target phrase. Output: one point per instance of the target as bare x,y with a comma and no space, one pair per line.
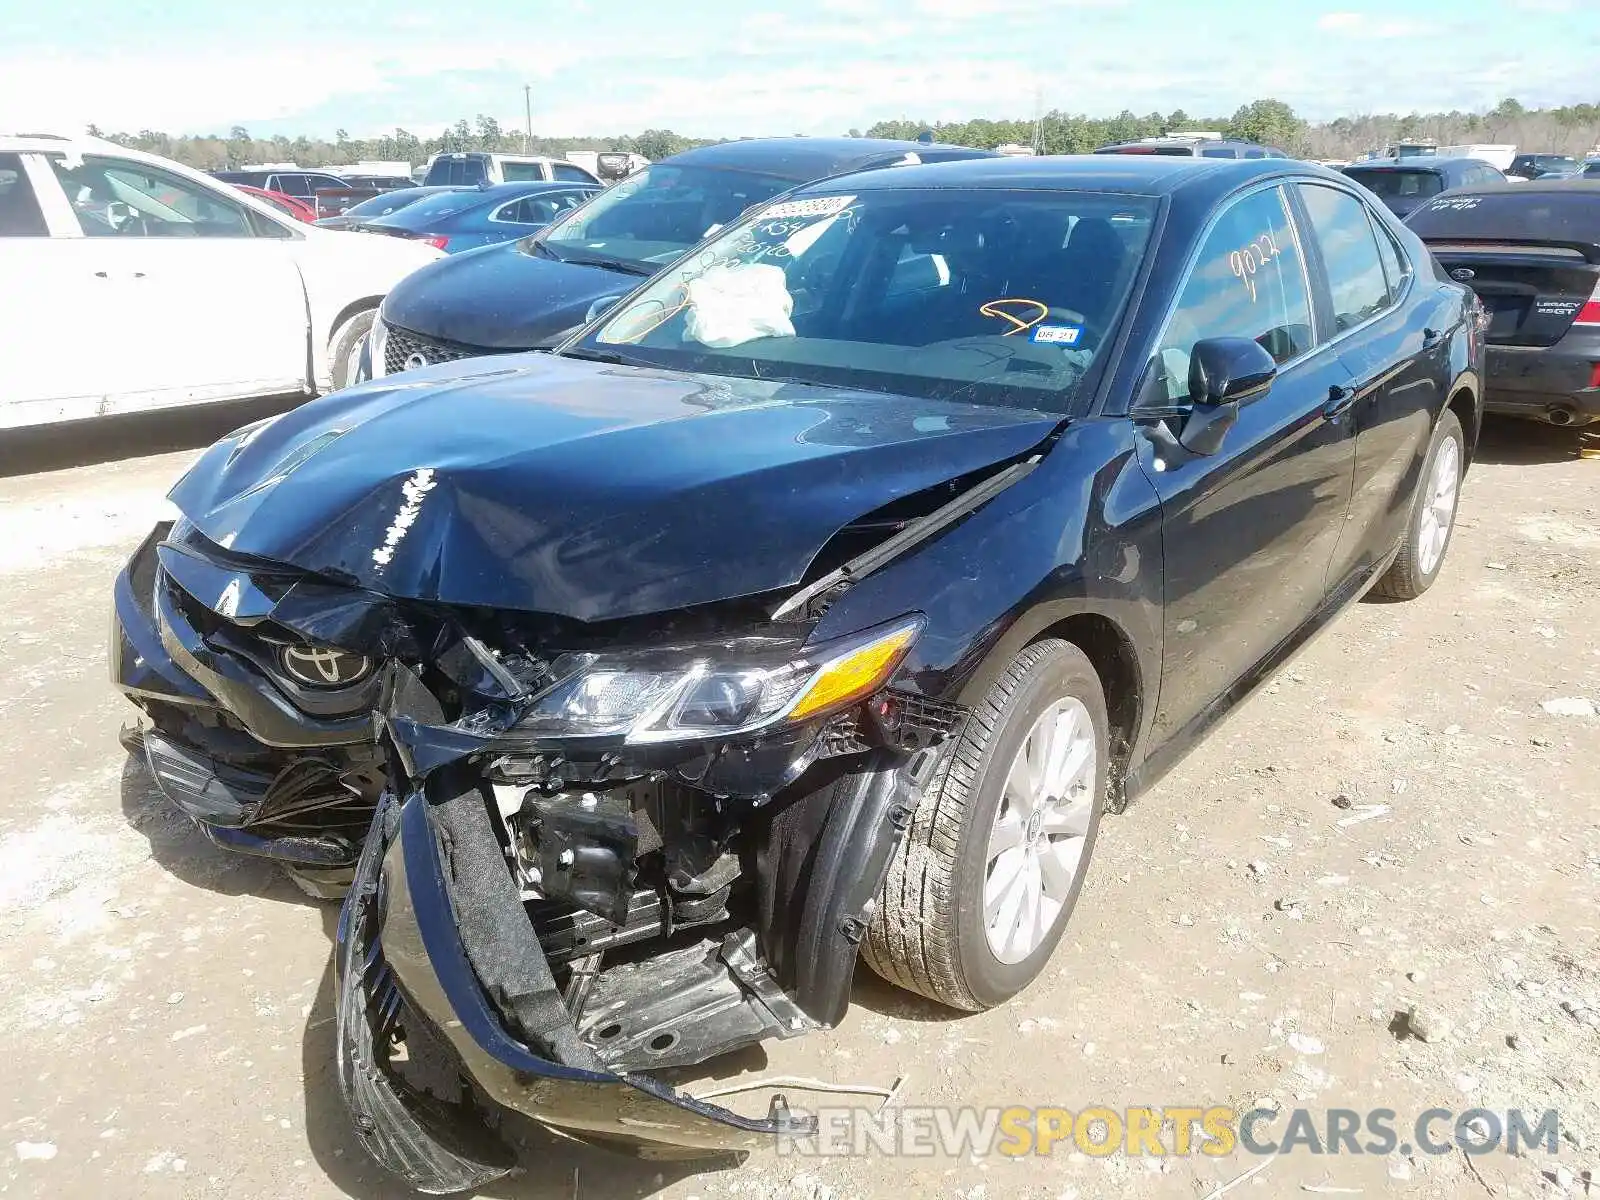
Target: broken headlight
713,690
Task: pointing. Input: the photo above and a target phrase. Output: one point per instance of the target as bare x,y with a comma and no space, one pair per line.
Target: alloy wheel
1036,845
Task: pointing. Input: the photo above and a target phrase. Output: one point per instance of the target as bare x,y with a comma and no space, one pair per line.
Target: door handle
1340,400
1431,338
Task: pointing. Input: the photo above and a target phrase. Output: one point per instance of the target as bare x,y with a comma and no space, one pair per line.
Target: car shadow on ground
1512,442
131,435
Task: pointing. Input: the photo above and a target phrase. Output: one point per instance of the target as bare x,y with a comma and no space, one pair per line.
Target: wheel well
350,310
1112,655
1465,407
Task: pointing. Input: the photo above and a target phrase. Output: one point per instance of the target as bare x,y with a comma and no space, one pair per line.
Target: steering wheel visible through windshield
981,295
650,218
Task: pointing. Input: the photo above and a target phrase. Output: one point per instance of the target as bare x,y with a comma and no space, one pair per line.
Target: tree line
1571,129
212,152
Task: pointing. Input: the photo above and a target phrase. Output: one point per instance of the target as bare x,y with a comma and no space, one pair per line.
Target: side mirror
1224,373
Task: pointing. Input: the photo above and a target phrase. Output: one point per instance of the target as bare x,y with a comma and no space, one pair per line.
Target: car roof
1418,162
1131,174
803,159
1197,144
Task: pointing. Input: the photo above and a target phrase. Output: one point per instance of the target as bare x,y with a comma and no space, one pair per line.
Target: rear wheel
1433,515
981,888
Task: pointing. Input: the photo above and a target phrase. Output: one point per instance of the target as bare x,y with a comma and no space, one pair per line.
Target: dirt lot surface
1408,815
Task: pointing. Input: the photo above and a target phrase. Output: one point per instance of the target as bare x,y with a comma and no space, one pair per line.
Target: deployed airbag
730,305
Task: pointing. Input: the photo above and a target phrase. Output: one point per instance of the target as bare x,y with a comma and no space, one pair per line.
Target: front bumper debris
403,965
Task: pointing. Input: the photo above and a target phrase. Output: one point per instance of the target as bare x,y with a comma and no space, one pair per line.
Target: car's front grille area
402,349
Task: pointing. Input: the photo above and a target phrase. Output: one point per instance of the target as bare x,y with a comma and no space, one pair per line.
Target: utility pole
527,116
1038,120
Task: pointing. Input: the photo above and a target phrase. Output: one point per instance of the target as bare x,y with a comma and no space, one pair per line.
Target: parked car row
134,283
877,517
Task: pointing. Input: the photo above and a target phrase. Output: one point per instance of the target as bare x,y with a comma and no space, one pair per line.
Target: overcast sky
714,68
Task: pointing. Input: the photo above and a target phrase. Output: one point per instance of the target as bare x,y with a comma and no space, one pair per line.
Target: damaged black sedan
813,604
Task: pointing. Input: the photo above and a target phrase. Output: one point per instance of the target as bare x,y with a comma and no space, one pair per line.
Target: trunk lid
1532,292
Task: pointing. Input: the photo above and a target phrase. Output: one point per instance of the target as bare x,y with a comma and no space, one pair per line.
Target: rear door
1248,532
1397,356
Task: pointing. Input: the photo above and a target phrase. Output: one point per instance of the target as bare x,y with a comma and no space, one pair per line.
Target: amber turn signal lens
854,675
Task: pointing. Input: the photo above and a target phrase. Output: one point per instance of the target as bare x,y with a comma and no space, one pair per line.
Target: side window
120,198
1249,281
1219,152
1396,266
1350,252
290,185
571,174
523,172
20,215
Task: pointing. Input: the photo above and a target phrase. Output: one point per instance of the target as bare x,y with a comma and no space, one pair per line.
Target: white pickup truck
130,283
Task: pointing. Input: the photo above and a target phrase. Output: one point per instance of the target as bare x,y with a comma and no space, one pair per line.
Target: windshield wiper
542,249
624,265
600,356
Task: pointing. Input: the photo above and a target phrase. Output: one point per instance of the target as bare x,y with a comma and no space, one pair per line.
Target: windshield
652,217
1397,185
983,296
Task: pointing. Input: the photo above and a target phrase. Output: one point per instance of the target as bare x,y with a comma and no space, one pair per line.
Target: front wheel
1433,515
982,886
344,353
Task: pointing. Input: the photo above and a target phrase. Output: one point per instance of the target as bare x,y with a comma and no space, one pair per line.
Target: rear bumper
1553,383
401,957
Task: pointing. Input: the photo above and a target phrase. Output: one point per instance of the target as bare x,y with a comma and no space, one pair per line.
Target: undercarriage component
685,1006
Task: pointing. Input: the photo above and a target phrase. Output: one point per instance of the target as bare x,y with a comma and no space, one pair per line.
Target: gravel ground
1407,816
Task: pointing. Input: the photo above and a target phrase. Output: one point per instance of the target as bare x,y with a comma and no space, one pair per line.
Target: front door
210,309
1248,532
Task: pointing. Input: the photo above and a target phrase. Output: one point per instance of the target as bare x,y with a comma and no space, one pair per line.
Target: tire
345,350
929,934
1414,571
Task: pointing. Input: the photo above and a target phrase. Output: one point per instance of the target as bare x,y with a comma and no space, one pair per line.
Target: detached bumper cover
398,927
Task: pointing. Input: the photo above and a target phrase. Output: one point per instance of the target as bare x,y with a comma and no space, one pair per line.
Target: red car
298,209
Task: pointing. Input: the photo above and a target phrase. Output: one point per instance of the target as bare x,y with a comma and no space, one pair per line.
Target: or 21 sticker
1056,335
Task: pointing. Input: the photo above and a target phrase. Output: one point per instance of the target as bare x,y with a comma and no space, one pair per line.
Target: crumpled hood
562,486
499,298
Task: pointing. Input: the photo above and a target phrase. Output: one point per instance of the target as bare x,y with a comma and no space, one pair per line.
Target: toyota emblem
413,361
323,666
1463,274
